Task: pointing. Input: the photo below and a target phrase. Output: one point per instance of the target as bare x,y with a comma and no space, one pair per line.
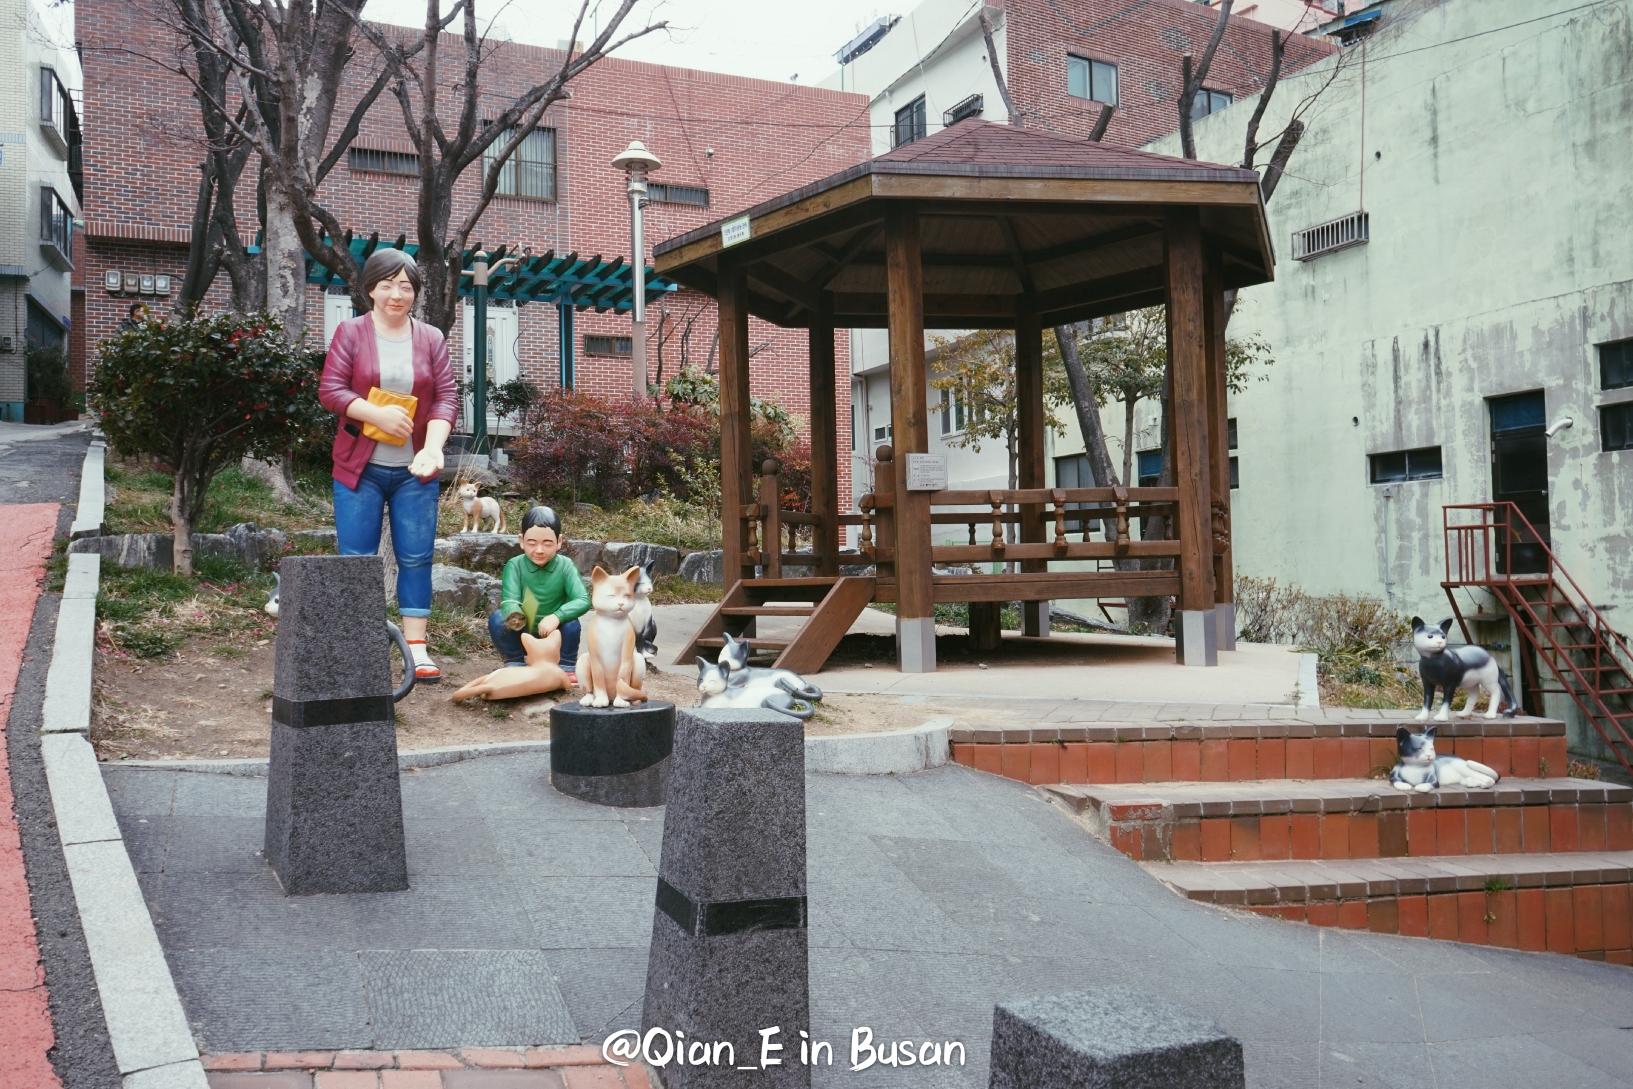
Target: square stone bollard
730,950
334,813
1110,1038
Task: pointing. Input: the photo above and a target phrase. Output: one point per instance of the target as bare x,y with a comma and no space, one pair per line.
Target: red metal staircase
1485,543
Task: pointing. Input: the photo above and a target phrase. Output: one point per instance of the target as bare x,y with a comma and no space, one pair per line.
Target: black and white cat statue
1421,770
734,656
1449,668
640,617
720,687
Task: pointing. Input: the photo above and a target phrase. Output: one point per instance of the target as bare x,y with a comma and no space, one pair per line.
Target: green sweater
539,591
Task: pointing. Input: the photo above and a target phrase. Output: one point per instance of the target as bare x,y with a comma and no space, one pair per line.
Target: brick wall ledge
1270,729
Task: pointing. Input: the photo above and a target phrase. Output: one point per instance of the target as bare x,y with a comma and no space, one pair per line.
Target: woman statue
387,378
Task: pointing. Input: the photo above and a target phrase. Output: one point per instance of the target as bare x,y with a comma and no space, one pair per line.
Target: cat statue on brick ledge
1470,668
1420,769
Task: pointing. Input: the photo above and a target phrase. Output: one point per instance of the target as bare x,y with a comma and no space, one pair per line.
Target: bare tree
445,153
1194,75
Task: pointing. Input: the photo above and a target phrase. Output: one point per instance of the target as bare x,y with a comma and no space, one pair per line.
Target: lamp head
636,157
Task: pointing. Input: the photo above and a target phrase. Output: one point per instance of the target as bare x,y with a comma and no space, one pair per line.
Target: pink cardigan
352,368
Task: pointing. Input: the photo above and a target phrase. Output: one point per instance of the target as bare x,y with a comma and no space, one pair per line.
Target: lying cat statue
542,673
609,670
734,656
1420,769
723,688
1470,668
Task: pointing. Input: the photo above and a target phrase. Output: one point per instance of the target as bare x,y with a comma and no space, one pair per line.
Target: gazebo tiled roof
1070,227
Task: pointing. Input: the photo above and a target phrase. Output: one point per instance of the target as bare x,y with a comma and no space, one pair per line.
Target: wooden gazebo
979,226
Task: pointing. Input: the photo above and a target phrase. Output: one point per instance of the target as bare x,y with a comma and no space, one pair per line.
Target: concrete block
1110,1037
334,814
146,1023
1309,680
89,513
730,948
916,644
1224,618
84,576
703,566
892,752
464,591
68,682
78,795
622,555
1196,638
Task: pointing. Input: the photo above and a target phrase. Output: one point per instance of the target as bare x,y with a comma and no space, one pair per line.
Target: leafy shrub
201,393
48,374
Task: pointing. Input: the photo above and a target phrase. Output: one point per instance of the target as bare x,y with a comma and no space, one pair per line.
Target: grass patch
149,613
660,521
56,568
674,590
141,503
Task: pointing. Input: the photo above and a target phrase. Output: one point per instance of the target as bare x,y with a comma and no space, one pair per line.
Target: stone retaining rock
622,555
703,566
461,590
244,543
311,540
586,554
477,551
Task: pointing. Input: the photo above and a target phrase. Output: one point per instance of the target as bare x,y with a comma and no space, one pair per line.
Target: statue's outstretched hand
426,464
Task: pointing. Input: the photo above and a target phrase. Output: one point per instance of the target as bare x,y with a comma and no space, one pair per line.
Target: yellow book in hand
378,396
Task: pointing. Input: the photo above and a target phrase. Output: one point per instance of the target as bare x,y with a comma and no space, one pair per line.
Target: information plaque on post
926,472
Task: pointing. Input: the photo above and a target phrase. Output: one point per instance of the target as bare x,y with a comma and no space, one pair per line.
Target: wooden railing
1057,506
768,521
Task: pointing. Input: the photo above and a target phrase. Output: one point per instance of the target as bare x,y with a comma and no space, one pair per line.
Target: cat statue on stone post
609,669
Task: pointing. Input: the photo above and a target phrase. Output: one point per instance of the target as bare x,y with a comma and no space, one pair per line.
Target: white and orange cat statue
609,670
541,674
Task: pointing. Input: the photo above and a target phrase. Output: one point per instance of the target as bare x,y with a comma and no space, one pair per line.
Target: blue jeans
413,505
510,642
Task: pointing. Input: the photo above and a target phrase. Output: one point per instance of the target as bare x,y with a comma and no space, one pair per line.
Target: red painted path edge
25,1018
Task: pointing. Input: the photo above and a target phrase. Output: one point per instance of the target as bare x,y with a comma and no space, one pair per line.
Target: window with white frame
1091,79
952,412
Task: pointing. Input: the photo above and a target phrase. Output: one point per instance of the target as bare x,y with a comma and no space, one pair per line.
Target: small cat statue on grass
1470,668
734,655
646,627
721,687
609,669
1421,770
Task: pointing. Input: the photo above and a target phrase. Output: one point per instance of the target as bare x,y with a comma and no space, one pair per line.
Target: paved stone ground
932,896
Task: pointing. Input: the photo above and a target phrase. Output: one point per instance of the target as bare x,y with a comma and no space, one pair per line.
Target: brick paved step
1351,818
1576,903
1182,750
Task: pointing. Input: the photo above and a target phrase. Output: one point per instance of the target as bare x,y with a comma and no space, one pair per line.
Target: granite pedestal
730,952
1110,1038
334,814
612,755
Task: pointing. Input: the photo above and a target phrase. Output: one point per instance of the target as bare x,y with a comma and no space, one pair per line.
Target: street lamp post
636,161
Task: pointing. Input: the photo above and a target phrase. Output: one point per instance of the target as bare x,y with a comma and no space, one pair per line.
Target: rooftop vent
1338,234
867,39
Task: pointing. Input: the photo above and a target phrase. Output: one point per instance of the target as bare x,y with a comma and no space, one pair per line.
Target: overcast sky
767,39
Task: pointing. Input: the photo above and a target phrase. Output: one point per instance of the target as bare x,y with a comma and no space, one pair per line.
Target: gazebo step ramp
1351,819
1572,902
1322,747
834,605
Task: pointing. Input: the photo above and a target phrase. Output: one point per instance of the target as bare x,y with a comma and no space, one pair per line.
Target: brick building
726,143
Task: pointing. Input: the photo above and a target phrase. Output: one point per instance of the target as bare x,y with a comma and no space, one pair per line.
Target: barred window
695,195
616,346
531,171
372,161
910,123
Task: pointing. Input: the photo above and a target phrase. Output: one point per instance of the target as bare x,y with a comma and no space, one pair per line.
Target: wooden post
1029,444
770,520
1194,630
736,474
915,610
824,441
1224,582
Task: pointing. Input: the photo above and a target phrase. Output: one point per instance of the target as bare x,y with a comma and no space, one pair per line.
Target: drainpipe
1389,568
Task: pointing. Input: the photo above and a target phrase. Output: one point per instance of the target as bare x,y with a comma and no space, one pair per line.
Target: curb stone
1309,683
89,513
152,1042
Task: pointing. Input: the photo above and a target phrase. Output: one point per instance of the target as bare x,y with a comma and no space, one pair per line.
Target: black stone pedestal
730,951
612,755
334,814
